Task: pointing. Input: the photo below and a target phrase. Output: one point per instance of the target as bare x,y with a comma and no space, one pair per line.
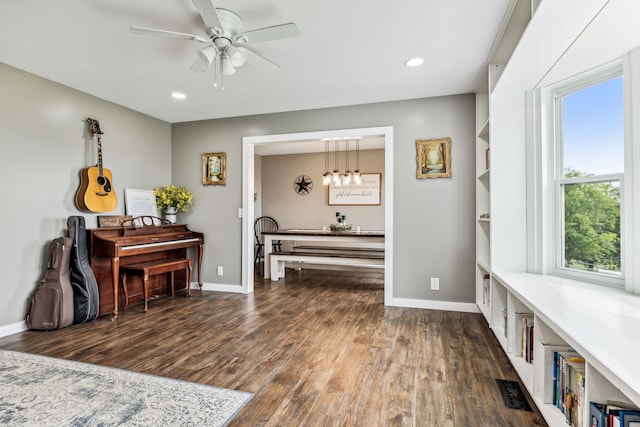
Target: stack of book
569,385
524,336
614,414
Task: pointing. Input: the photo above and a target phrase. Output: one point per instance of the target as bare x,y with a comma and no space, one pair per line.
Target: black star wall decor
303,185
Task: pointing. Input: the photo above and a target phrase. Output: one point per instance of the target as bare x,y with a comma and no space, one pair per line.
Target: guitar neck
100,173
94,129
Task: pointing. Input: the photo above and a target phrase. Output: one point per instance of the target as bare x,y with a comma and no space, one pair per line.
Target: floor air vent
513,396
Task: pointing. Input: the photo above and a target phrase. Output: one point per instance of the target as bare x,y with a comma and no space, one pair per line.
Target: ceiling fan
226,45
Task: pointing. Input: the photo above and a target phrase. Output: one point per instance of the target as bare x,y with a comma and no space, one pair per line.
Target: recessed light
414,62
178,95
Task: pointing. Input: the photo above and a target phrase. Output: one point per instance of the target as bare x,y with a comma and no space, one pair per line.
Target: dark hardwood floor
317,349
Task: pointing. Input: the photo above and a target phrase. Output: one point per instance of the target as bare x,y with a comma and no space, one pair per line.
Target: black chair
262,224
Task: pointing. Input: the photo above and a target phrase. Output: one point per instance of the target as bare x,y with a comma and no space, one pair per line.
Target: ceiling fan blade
199,67
282,31
261,63
170,34
208,13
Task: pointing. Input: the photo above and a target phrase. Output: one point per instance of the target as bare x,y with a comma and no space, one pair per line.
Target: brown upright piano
113,247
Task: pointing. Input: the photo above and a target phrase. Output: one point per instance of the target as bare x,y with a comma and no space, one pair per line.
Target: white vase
170,214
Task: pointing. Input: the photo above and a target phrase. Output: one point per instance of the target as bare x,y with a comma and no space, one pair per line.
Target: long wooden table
366,237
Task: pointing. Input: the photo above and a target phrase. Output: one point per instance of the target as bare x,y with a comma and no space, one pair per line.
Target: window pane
593,129
592,226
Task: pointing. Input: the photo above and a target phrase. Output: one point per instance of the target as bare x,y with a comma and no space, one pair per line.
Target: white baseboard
434,305
13,329
218,287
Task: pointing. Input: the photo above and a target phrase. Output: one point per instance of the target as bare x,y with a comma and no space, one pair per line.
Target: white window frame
544,164
559,92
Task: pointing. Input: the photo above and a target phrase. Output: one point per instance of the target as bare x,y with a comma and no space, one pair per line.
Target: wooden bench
339,249
278,260
151,268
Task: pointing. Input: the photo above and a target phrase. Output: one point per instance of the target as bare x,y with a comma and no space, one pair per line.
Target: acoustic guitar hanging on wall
96,185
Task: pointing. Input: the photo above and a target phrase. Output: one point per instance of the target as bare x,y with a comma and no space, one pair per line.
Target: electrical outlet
220,270
435,284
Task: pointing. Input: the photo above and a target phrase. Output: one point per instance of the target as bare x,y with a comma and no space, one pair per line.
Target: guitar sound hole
104,182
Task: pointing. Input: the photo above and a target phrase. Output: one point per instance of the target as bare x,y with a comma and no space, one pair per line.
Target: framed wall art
433,158
367,193
214,168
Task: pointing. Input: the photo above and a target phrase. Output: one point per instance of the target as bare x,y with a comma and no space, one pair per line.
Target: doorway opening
248,189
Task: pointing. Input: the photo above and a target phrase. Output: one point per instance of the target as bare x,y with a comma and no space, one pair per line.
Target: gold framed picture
214,168
433,158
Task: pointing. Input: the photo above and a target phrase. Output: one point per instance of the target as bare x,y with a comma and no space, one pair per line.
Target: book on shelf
486,281
549,372
486,159
522,320
504,321
569,385
628,418
613,414
597,414
574,393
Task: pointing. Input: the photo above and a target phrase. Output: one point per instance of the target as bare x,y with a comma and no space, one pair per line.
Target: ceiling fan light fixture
222,28
238,55
227,66
207,55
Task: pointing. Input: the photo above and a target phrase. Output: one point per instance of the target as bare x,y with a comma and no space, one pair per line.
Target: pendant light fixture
357,178
326,177
335,177
346,178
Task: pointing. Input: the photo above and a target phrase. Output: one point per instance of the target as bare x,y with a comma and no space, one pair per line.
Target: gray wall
292,210
433,218
44,146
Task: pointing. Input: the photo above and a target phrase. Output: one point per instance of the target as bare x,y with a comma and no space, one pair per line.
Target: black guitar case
85,286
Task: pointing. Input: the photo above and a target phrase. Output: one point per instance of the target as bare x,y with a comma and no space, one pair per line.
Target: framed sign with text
367,193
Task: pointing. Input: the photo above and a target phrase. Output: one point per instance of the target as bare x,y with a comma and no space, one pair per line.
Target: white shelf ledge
600,322
484,264
484,175
483,132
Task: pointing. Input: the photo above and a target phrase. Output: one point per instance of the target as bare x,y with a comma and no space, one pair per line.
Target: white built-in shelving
600,323
572,314
483,224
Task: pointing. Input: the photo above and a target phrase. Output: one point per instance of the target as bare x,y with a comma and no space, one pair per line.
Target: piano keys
114,247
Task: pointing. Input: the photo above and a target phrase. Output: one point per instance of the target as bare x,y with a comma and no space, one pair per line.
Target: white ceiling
349,52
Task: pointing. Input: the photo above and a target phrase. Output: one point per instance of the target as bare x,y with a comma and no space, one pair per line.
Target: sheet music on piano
140,203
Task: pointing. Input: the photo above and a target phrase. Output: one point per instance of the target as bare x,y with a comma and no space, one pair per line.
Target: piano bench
151,268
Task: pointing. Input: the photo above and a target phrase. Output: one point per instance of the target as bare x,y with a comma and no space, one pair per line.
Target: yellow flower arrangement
170,195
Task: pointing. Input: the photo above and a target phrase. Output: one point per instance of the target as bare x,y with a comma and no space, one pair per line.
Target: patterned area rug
43,391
